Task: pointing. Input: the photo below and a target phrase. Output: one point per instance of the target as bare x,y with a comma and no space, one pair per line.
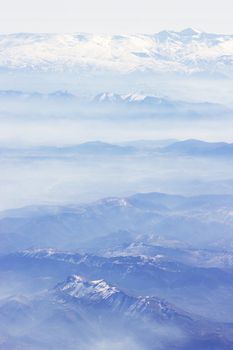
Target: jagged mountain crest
100,292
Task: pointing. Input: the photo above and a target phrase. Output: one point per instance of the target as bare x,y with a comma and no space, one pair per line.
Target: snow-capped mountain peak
78,287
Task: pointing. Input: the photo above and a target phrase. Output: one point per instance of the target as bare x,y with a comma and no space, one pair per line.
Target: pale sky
115,16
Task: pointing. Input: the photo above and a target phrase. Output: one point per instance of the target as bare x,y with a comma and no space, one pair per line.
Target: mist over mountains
106,106
155,262
116,187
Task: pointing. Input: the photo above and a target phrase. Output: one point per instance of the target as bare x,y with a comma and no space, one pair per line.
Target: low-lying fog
27,123
18,133
30,178
55,152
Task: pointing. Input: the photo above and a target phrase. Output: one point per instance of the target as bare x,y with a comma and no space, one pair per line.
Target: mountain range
116,219
106,105
186,52
149,148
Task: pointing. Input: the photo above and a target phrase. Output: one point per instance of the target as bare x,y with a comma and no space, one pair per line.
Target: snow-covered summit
79,287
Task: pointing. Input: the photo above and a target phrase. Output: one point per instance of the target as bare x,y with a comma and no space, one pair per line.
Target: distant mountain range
139,103
150,148
186,52
112,104
27,96
134,99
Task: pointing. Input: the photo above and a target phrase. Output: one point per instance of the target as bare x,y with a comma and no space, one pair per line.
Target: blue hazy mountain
157,216
200,148
144,149
25,96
